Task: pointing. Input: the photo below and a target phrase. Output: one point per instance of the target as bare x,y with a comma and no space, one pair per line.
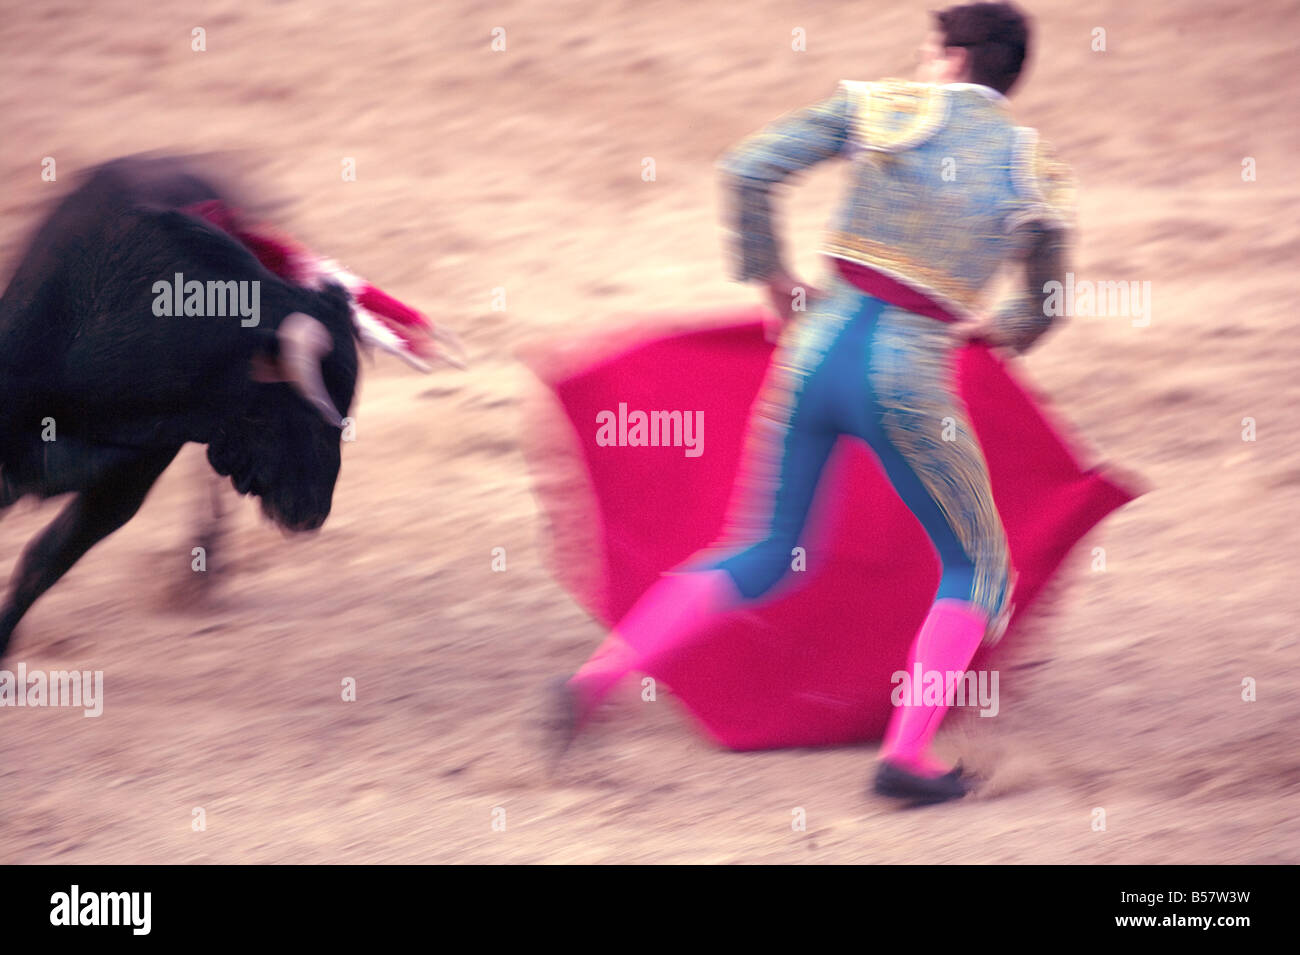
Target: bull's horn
304,342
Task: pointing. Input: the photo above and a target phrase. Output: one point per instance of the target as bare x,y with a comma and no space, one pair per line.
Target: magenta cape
812,664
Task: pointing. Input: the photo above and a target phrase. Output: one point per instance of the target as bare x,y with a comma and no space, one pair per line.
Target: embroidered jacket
944,191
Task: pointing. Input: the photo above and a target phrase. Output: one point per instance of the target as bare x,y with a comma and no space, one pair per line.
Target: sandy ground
520,170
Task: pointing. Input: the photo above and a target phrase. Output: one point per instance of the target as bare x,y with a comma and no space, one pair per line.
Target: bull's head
288,448
285,446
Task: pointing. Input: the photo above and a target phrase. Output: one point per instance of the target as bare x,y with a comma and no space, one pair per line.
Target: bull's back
55,273
83,257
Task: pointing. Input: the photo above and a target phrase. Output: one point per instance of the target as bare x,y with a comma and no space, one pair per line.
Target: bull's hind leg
90,517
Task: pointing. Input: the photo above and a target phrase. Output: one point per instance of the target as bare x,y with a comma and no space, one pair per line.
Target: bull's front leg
88,518
7,494
212,527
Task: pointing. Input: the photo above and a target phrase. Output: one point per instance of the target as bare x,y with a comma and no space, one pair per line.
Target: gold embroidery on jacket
895,114
894,262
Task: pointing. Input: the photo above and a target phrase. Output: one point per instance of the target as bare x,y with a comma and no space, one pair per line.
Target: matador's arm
1024,319
1043,225
753,168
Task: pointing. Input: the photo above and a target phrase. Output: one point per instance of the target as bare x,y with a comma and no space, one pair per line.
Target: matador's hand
981,328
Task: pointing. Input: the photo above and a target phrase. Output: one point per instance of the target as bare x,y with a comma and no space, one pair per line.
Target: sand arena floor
521,170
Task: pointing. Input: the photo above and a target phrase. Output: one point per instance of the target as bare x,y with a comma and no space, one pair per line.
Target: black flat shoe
898,783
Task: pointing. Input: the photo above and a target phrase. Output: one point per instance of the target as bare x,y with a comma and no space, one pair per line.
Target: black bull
98,393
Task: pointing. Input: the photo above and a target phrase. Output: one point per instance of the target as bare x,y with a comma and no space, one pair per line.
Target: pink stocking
946,643
666,616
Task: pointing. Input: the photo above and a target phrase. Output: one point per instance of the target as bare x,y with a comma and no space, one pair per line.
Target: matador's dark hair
995,37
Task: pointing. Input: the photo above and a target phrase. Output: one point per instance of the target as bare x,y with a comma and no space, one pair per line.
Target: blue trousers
854,365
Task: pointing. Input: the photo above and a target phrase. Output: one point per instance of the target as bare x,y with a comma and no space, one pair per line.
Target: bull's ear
303,344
